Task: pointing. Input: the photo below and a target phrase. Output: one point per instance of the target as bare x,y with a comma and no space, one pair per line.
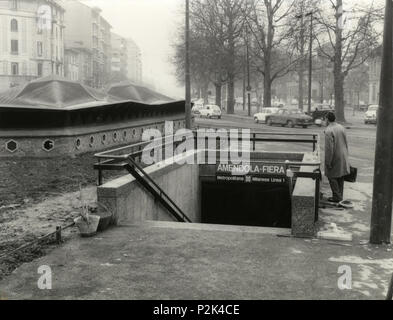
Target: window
39,69
14,4
14,68
14,25
14,47
48,145
39,48
12,146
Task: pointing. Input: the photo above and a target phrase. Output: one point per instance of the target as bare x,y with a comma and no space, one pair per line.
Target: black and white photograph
190,156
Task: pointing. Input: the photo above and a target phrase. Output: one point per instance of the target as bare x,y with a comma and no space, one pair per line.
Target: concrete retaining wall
78,141
128,202
304,201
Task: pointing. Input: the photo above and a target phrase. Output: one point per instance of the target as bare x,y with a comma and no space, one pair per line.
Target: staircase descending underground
146,181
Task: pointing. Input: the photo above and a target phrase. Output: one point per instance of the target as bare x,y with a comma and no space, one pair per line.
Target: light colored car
371,114
210,111
261,116
196,108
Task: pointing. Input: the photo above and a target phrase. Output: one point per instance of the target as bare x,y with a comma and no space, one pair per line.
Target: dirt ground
36,195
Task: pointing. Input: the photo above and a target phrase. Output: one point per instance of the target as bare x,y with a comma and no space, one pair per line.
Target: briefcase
351,177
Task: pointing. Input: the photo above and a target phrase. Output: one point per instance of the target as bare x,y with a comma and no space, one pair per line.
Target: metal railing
114,159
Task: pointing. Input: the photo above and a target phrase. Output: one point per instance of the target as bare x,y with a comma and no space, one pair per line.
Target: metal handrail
160,191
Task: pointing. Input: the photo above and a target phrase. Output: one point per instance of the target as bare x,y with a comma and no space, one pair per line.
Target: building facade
134,64
87,29
374,74
78,65
119,59
31,41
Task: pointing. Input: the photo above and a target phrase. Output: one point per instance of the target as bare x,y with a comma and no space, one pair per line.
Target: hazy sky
152,24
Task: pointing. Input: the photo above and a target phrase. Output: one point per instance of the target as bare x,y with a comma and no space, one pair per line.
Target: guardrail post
317,197
58,234
99,182
389,295
313,142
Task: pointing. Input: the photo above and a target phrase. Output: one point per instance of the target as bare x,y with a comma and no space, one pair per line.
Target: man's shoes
333,200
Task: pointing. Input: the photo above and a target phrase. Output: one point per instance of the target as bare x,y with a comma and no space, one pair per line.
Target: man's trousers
337,186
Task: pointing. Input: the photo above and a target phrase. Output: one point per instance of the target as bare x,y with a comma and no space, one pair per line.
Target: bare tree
200,60
222,21
300,27
358,82
271,30
347,40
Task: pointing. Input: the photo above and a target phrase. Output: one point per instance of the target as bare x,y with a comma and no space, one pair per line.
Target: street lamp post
381,215
187,68
248,76
301,16
310,63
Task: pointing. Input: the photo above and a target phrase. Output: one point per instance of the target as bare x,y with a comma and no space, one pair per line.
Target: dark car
290,118
319,113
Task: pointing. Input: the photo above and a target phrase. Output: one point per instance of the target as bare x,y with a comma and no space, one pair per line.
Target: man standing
336,157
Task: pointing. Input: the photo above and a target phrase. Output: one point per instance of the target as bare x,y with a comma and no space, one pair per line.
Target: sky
152,24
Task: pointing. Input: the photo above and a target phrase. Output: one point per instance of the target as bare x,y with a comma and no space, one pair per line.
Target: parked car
261,116
290,118
363,107
210,111
196,108
319,112
371,114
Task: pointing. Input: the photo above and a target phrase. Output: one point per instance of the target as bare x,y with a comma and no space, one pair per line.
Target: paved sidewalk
146,262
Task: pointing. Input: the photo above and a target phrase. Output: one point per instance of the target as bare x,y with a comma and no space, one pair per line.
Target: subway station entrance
271,189
246,204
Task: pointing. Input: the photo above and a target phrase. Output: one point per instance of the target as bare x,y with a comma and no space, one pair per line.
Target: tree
215,44
200,61
350,37
300,30
268,21
358,81
222,22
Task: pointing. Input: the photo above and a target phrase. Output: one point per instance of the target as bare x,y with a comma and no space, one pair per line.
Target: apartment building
119,59
31,41
87,29
134,60
374,74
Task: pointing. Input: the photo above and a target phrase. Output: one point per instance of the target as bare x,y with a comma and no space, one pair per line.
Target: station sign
252,173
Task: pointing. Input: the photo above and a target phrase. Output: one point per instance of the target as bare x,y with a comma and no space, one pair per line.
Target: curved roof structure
128,91
57,93
51,92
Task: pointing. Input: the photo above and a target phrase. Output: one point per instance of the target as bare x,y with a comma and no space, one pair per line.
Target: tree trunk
218,87
301,82
339,97
231,94
244,92
267,84
205,93
301,63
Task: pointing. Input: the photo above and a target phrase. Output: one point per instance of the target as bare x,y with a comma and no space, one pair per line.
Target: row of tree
275,34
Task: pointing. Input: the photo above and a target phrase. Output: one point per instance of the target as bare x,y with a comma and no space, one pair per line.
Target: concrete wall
74,142
304,201
126,202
